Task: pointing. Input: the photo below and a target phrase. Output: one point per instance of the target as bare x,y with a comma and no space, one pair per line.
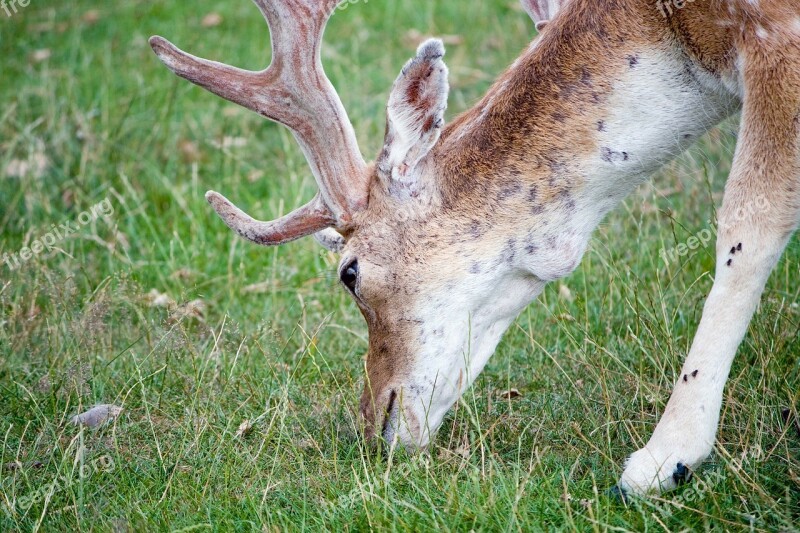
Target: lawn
239,368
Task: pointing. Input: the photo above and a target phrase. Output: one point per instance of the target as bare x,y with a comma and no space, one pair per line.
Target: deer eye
349,275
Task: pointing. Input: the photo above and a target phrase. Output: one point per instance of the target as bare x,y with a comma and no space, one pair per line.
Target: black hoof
682,474
618,493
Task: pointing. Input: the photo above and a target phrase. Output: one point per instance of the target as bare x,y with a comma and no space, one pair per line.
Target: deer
456,227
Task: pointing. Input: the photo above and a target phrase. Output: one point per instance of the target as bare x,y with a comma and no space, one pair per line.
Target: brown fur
516,146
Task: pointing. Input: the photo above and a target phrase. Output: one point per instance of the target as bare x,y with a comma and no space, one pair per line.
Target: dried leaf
91,16
13,466
195,309
154,298
259,288
34,167
41,55
189,150
230,142
510,394
211,20
245,428
97,415
182,274
255,175
565,293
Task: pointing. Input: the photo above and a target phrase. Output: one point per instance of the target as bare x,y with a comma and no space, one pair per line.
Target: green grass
281,345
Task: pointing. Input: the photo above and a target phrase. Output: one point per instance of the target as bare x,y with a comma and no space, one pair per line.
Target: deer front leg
759,214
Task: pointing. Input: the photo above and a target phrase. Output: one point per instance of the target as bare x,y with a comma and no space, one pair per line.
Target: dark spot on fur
633,61
730,262
739,247
475,229
694,374
510,251
685,378
475,268
601,126
509,191
733,251
531,248
586,77
611,156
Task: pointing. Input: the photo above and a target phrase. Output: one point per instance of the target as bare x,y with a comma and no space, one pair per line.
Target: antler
293,91
541,11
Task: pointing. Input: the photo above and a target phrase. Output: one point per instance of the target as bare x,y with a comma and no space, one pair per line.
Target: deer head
431,249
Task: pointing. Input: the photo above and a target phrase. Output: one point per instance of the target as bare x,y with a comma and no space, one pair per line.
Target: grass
268,337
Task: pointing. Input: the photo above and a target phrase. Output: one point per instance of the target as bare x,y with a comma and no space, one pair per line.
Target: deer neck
588,112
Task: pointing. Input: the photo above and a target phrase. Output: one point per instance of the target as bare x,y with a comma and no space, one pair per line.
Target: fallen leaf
97,415
211,20
189,151
191,310
34,167
565,293
182,274
41,55
13,466
510,394
91,16
230,142
245,428
259,288
463,450
43,386
255,175
154,298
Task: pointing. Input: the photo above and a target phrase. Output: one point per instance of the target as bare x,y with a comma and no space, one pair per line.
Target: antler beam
293,91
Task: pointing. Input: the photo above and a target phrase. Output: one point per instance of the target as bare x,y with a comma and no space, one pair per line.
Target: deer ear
415,114
330,239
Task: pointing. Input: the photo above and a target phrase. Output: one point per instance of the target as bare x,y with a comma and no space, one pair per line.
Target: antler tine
307,220
293,91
